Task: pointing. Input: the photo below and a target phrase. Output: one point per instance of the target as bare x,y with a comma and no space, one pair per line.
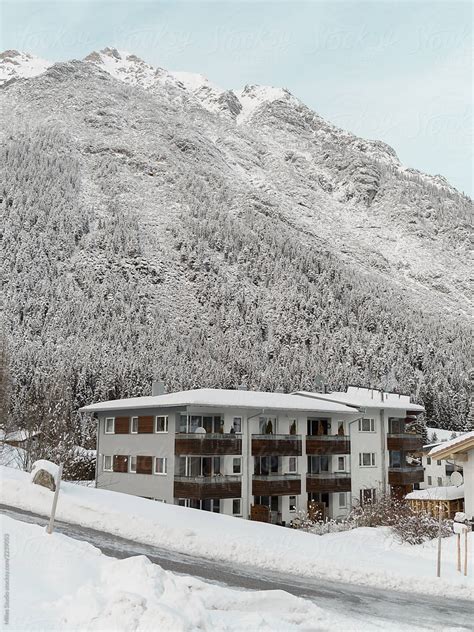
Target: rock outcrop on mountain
154,224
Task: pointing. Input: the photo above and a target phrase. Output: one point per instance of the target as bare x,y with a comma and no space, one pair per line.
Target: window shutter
145,424
122,425
120,463
144,464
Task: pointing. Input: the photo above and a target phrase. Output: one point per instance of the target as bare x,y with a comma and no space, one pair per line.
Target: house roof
450,492
222,398
367,398
459,445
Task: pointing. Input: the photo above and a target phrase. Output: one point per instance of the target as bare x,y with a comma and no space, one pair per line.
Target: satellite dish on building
456,479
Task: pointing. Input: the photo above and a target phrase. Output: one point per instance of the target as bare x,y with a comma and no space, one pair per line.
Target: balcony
328,444
405,475
276,445
328,482
202,487
195,444
276,485
404,442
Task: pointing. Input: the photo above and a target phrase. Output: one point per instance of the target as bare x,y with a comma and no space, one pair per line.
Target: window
107,463
429,480
440,481
161,424
132,464
237,465
292,464
438,462
160,465
237,424
342,499
341,463
366,425
109,425
237,507
292,504
428,460
367,459
367,496
134,425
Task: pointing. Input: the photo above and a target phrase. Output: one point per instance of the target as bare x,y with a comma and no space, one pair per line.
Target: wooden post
438,567
465,552
50,527
459,551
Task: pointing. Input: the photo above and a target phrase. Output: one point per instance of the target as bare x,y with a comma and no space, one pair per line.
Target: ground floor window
342,500
268,501
292,504
367,496
237,507
107,463
209,504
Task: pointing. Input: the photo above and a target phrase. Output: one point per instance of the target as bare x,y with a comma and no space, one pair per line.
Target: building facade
247,453
437,472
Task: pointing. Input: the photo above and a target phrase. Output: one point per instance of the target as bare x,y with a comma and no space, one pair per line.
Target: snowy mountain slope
17,65
161,237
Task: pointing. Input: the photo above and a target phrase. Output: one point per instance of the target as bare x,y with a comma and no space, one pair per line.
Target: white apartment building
381,433
437,472
254,454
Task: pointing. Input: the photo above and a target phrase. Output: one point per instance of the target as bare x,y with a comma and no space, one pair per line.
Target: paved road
360,603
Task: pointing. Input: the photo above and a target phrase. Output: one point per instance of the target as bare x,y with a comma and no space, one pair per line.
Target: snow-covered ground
362,556
58,583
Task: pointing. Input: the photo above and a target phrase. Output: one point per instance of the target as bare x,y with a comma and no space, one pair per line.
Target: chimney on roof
242,387
158,388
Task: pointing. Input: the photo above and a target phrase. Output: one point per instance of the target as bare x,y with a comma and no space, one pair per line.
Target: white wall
469,484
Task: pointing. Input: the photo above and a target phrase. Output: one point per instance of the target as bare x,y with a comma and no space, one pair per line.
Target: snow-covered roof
463,443
222,398
451,492
367,398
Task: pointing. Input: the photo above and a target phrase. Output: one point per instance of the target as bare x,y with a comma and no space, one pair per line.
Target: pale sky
396,71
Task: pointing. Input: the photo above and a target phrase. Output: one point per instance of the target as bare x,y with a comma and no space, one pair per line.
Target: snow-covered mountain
16,65
158,224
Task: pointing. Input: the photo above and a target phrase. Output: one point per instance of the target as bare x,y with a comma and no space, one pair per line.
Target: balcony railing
207,444
276,445
407,475
202,487
329,482
276,484
405,442
328,444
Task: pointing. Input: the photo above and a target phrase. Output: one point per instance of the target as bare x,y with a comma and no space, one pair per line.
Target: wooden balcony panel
207,487
328,483
208,445
404,442
405,475
276,485
328,444
276,445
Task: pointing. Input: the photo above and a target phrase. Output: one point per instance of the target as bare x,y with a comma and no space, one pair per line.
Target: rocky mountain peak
15,64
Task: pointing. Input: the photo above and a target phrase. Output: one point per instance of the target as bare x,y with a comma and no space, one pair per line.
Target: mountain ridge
131,69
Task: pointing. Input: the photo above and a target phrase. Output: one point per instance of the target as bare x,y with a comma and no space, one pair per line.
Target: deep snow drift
363,556
58,583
